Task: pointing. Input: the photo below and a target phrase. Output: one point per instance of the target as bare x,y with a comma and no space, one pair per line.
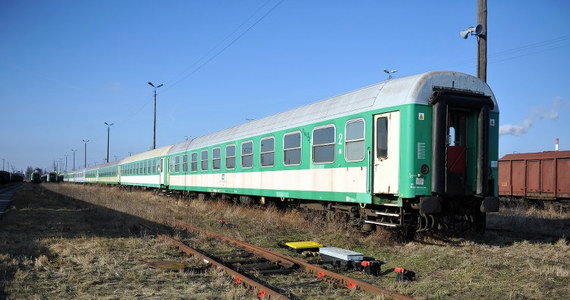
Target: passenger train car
418,152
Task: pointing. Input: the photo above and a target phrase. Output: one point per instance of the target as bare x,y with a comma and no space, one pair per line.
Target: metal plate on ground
340,253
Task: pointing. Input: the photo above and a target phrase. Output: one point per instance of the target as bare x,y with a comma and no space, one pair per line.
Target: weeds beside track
68,241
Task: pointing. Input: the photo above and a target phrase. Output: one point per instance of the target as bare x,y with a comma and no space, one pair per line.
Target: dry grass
92,245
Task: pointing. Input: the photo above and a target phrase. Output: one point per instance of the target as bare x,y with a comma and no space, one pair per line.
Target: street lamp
85,141
74,150
154,131
108,134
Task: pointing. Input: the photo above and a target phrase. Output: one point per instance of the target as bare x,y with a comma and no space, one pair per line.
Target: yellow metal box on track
303,245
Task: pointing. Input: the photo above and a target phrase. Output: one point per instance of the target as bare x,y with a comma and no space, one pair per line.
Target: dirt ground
63,241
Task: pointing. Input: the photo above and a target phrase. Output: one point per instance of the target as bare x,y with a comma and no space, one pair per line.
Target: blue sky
66,67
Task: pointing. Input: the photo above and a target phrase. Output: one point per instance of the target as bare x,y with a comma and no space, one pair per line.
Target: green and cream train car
420,150
145,169
414,152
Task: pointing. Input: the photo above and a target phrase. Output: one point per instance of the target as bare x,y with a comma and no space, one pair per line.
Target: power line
222,41
167,87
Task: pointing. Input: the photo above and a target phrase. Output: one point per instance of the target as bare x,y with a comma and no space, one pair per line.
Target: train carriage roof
415,89
146,155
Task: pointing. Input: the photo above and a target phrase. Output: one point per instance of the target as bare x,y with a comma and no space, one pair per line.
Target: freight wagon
535,176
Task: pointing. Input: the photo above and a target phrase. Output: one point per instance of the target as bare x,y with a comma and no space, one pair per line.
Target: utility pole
108,134
3,159
73,150
85,141
66,163
154,130
482,40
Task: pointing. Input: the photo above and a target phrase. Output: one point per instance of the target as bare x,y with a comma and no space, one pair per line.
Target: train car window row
323,149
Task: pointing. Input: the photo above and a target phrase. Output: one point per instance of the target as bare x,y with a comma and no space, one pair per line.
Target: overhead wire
169,86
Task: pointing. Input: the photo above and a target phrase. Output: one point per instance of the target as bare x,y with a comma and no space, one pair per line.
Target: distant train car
4,177
51,177
535,176
16,177
35,177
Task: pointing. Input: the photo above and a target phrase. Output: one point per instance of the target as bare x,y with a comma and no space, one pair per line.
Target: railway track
272,275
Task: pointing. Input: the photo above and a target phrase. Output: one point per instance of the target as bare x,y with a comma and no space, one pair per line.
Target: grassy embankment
65,241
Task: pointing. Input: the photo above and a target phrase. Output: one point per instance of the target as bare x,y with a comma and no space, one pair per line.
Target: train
536,177
35,177
415,153
7,177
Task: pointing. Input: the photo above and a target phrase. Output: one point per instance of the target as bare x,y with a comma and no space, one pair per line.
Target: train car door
386,153
162,173
456,169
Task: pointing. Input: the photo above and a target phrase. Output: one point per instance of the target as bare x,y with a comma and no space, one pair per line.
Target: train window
216,159
177,164
355,146
247,154
204,156
185,163
230,157
148,167
267,153
153,162
382,137
292,149
194,163
140,167
324,144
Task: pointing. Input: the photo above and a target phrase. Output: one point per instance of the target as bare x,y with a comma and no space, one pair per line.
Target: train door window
177,164
292,149
457,128
216,159
382,137
230,157
267,153
247,154
185,163
194,162
324,144
355,145
204,157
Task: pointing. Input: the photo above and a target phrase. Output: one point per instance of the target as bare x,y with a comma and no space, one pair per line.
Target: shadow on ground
37,214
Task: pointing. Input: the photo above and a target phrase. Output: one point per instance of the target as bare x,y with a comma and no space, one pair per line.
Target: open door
457,121
386,153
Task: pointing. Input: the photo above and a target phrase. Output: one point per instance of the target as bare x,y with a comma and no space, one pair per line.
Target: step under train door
386,153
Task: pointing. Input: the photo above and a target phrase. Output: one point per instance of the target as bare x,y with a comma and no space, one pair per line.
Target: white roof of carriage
393,92
145,155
